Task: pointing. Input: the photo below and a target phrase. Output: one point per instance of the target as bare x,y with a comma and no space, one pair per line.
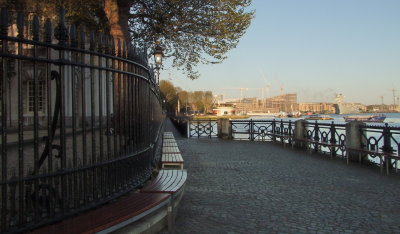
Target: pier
261,187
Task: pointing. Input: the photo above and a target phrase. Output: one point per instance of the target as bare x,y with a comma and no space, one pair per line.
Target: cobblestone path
256,187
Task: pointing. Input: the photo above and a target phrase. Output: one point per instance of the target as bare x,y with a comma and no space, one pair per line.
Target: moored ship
342,107
365,118
318,117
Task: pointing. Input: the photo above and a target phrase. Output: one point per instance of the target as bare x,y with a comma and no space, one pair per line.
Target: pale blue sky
313,47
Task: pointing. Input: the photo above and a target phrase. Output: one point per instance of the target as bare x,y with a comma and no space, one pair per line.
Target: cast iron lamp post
158,56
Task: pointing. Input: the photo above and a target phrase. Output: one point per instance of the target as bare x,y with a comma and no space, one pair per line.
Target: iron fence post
273,130
290,131
333,138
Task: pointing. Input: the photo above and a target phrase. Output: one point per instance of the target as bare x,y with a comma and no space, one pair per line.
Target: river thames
392,119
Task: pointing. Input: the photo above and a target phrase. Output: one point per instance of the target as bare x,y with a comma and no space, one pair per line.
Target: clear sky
313,47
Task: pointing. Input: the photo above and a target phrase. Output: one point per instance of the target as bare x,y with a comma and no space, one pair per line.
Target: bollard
224,129
188,128
354,140
300,136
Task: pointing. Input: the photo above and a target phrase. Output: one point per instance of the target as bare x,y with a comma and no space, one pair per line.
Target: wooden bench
383,157
169,140
171,156
167,181
171,182
172,160
111,217
168,135
170,150
170,144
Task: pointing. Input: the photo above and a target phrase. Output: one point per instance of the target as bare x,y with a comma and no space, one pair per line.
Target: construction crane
241,91
394,95
263,90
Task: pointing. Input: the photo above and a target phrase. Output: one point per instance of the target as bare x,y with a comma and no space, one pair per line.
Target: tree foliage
88,13
201,101
169,95
191,31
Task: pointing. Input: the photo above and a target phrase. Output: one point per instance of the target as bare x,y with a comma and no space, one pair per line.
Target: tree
91,14
184,99
191,31
169,94
208,101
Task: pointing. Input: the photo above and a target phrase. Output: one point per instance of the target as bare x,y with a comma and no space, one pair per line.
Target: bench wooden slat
169,141
175,181
170,150
108,215
167,181
170,144
168,135
172,160
166,158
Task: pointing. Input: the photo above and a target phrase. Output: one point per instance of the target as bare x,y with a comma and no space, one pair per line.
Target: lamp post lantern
158,56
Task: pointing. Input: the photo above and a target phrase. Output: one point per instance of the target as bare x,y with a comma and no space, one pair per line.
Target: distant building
245,105
281,103
317,107
224,109
383,108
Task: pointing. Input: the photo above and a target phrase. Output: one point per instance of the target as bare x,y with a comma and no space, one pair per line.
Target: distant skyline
314,48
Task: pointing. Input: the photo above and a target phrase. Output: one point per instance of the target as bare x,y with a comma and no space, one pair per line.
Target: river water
392,119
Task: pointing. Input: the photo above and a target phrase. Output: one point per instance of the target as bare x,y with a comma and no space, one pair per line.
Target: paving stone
258,187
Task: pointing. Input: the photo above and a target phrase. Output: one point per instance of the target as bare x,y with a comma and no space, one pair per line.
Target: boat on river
366,118
318,117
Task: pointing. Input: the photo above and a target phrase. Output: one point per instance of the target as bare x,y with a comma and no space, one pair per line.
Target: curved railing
321,137
81,120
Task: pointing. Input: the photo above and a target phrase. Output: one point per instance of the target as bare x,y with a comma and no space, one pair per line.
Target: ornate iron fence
381,139
328,134
80,120
263,130
320,137
202,128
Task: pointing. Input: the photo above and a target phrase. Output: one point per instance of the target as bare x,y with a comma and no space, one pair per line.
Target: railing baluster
4,113
50,127
61,34
21,210
100,104
100,99
83,120
74,58
35,119
129,107
93,118
108,137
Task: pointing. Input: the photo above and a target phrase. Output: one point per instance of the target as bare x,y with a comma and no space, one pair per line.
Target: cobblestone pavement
258,187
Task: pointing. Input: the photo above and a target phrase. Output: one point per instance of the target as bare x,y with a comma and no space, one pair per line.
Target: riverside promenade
259,187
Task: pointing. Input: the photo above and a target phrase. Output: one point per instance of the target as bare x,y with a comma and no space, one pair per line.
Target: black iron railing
202,128
263,130
327,134
320,137
381,138
80,120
